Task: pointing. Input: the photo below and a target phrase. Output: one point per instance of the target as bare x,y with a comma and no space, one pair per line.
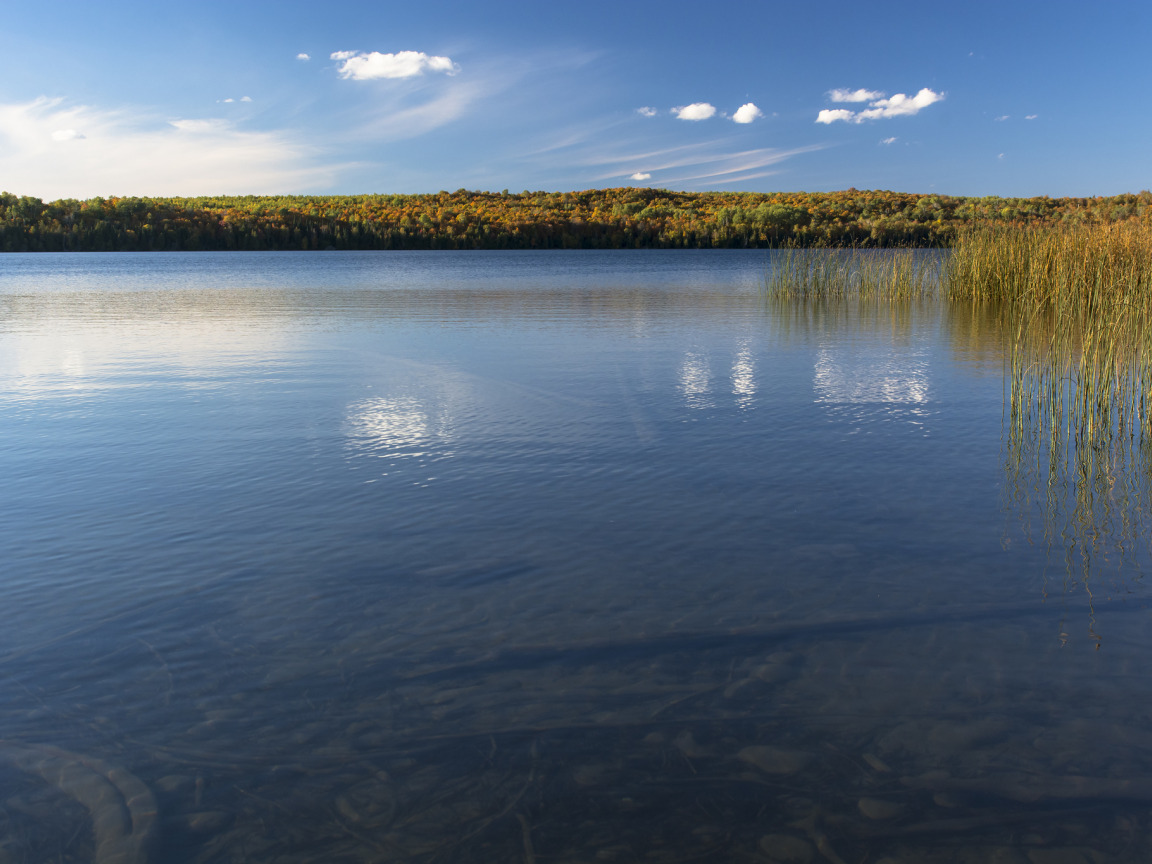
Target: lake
546,557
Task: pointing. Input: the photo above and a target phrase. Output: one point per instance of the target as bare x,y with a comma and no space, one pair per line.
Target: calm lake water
555,557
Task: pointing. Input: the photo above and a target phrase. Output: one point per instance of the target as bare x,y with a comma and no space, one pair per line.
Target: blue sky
1005,98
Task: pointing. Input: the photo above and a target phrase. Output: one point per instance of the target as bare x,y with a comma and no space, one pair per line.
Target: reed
1076,305
1077,301
828,274
1081,266
1080,302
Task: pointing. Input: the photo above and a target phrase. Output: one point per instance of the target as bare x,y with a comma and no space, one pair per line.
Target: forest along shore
622,218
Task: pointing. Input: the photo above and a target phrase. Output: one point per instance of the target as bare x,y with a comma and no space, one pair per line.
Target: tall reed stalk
1081,302
825,274
1078,304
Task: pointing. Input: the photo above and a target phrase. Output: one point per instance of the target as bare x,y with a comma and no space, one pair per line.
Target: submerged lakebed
561,556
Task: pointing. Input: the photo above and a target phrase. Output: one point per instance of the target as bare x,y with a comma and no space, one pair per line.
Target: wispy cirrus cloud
484,105
54,150
707,161
898,105
695,111
486,92
398,120
367,66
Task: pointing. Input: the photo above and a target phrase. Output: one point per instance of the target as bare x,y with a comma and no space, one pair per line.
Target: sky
976,98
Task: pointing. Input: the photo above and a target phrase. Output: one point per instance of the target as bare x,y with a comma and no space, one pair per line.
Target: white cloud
999,155
1002,118
891,140
640,175
361,66
225,100
245,98
646,111
303,56
855,95
899,105
746,113
127,153
695,111
1031,116
831,115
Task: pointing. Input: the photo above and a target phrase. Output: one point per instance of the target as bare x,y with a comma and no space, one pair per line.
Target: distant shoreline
620,218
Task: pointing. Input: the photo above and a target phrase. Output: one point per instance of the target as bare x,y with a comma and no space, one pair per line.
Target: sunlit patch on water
389,428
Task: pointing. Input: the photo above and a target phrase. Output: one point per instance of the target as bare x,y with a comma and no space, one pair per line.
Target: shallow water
541,557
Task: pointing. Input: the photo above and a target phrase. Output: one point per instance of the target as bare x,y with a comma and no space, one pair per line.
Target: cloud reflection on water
56,359
694,380
871,376
695,384
879,383
744,376
389,427
399,430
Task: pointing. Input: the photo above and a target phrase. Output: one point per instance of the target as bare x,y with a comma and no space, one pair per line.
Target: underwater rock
951,736
786,849
589,775
174,782
686,744
207,822
876,808
776,667
775,760
1006,855
946,799
121,807
1056,856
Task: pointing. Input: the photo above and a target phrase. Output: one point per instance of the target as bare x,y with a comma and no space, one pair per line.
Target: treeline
621,218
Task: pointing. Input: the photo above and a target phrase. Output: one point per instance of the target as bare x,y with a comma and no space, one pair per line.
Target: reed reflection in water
1077,450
